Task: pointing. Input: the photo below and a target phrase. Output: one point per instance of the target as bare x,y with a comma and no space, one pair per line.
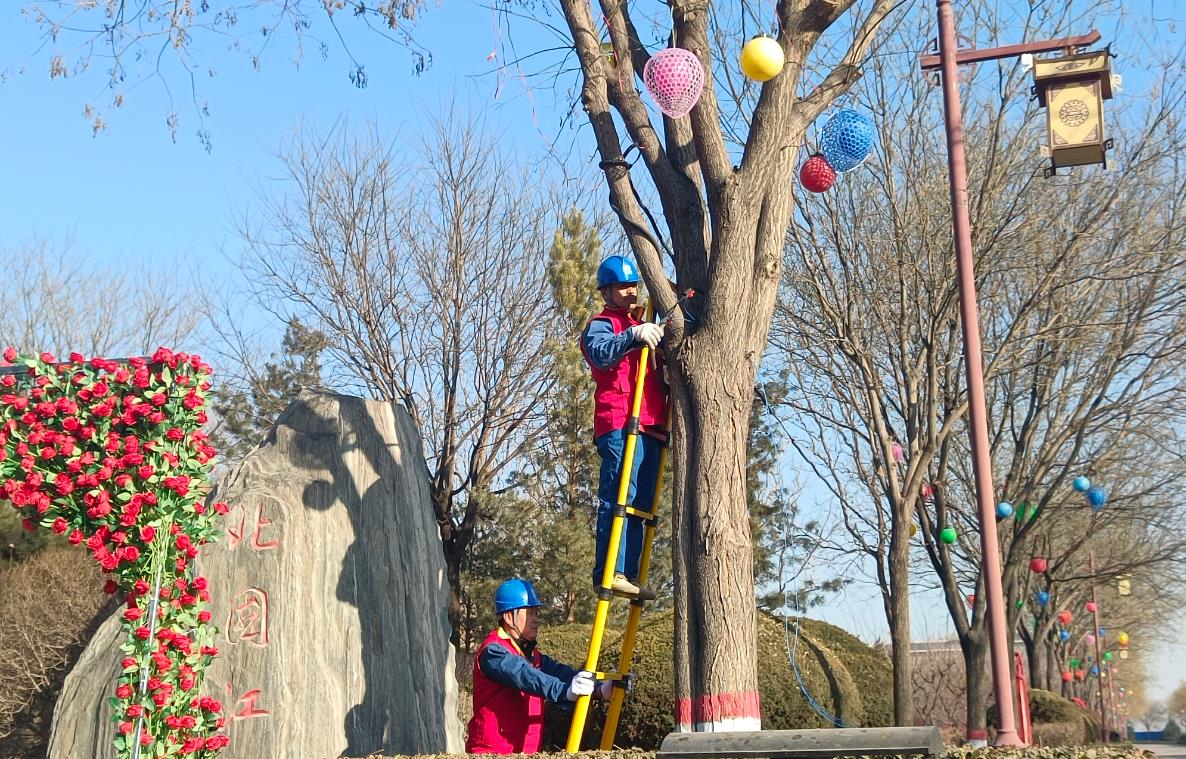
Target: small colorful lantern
762,58
1107,656
927,491
1042,597
1090,606
1018,604
817,175
948,535
1095,671
1021,512
971,599
1075,663
1065,617
1064,635
913,529
847,139
1097,498
1037,565
1124,653
1079,674
1081,484
1122,638
896,450
1004,510
675,79
1089,640
1066,675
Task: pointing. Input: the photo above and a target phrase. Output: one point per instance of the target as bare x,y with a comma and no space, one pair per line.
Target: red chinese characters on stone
245,706
248,619
237,530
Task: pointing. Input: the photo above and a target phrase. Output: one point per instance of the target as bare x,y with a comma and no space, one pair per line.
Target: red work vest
615,386
505,721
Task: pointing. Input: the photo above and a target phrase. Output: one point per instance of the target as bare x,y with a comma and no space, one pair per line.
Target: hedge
1056,752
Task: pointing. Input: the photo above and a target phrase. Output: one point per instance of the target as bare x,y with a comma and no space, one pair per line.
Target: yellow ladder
604,594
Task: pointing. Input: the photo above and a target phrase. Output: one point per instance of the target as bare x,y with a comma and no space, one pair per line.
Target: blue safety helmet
616,270
515,594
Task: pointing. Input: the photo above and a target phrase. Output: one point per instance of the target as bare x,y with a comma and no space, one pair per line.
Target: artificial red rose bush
111,455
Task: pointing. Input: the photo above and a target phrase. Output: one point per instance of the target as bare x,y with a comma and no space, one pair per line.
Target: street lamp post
947,60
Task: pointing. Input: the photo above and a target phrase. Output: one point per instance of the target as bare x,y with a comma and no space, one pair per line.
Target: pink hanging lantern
1090,606
898,452
1089,639
675,79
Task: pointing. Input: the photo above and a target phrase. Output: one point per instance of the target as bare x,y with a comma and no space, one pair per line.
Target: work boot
623,586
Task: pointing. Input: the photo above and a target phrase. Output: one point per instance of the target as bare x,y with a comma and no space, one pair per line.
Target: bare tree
427,279
54,300
1081,318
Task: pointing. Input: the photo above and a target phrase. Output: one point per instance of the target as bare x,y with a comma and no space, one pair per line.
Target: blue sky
131,195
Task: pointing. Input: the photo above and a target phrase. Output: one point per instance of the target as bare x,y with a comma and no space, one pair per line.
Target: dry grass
48,606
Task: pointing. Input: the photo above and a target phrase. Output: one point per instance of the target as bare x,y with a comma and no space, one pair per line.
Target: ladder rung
646,515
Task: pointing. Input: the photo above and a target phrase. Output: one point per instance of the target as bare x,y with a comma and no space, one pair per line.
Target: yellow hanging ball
913,529
762,58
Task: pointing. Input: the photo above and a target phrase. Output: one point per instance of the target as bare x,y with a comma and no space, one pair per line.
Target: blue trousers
610,447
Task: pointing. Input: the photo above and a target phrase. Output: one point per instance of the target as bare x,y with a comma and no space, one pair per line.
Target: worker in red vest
611,344
512,678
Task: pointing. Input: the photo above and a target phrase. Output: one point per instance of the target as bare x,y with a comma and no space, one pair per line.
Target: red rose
47,357
127,662
142,633
10,354
133,614
125,728
159,698
173,433
220,508
110,587
28,525
146,738
124,691
147,533
203,616
59,526
130,553
75,537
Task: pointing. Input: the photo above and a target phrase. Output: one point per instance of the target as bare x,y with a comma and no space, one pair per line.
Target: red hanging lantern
1064,617
927,491
1080,674
816,174
1066,675
1037,565
971,598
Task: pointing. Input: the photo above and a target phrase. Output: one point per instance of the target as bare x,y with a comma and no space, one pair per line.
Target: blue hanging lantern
1097,498
1081,484
1043,598
1095,671
847,139
1004,510
1064,635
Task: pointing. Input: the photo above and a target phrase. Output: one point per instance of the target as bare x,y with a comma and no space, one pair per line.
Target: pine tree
246,411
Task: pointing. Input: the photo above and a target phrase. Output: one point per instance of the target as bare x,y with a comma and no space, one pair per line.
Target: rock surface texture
329,589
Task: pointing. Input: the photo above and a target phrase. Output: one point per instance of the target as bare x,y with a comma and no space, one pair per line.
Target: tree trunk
715,622
453,561
899,579
976,665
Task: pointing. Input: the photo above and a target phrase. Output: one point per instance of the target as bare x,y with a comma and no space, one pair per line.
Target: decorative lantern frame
1072,89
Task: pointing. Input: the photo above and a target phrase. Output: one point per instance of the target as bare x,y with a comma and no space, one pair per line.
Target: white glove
581,685
647,333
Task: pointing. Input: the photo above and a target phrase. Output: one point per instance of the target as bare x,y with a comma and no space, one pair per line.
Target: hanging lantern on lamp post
1072,89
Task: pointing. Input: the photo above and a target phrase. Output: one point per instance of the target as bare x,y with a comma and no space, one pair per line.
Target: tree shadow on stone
383,573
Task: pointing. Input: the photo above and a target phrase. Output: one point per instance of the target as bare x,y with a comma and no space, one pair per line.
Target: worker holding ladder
629,429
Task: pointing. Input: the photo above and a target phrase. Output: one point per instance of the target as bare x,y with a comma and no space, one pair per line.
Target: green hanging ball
1107,656
1019,603
1074,664
947,535
1020,513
